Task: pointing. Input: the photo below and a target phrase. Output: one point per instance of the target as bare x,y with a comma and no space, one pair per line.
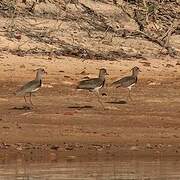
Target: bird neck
102,76
38,76
134,73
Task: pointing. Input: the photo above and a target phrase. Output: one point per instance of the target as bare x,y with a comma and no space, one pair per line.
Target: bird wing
90,83
125,81
29,87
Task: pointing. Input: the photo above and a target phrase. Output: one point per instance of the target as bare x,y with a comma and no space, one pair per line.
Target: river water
94,170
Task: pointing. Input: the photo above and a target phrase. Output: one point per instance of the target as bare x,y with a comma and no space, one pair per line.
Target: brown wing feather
29,87
90,83
125,82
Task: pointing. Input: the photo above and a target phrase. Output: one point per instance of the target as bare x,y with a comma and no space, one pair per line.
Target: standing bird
94,84
128,81
32,86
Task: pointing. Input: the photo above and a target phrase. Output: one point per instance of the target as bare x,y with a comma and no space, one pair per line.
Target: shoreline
63,115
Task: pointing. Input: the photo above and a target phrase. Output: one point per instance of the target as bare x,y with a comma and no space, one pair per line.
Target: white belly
129,87
97,88
35,89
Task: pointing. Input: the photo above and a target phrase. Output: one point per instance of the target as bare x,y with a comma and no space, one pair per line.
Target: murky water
101,170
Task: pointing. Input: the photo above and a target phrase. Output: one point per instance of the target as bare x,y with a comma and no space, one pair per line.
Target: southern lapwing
32,86
128,81
94,84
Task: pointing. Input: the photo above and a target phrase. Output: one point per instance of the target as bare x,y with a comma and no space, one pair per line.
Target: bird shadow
80,107
21,108
117,102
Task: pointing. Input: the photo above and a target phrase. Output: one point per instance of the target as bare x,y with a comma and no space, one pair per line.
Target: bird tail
78,86
16,93
19,93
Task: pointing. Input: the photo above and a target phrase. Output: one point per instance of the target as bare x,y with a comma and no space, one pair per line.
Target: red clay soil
67,122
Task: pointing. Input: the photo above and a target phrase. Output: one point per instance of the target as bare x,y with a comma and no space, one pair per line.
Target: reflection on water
101,170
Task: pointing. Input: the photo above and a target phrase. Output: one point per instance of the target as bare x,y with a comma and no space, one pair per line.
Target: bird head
41,71
135,70
103,72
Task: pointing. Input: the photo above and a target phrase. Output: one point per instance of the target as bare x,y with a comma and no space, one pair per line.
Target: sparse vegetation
40,26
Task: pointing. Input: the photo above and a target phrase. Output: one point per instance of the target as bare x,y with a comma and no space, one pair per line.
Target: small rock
4,145
71,157
3,99
6,127
69,113
108,146
160,145
22,66
78,145
47,86
99,149
169,65
69,147
84,73
53,156
147,64
149,146
17,36
19,148
154,83
68,77
26,113
55,147
175,136
67,83
104,94
134,148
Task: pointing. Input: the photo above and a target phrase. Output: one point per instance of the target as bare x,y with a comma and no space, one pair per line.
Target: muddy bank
72,123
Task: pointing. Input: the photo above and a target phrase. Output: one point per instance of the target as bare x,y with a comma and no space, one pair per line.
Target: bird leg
25,99
30,99
129,94
97,94
26,106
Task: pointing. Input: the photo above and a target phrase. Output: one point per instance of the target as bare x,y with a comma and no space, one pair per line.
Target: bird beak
140,70
45,72
107,73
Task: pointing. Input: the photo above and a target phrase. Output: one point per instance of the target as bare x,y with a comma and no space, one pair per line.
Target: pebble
149,146
154,83
134,148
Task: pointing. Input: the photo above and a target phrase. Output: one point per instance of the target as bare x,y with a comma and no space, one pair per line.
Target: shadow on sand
80,107
117,102
21,108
